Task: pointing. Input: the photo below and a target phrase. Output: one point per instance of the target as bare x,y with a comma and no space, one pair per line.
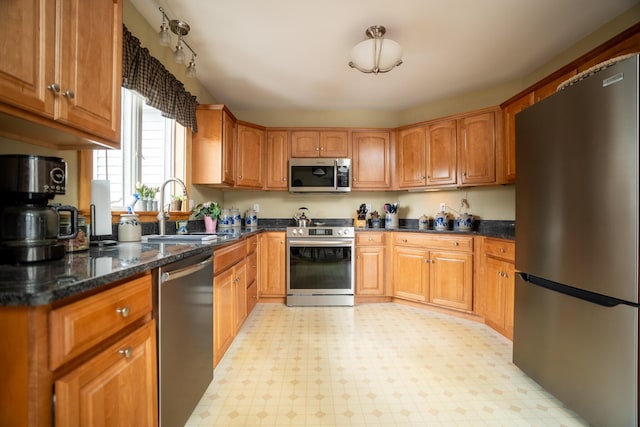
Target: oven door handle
320,243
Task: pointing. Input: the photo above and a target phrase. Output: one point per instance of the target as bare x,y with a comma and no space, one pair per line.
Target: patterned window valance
146,75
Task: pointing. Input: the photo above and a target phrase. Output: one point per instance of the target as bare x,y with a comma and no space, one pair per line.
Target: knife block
359,223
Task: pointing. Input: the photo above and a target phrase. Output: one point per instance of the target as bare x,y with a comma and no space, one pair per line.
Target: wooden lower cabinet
118,387
433,269
229,296
91,362
273,272
223,317
451,280
498,275
411,273
370,264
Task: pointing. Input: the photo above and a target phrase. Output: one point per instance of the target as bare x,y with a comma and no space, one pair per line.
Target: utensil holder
391,220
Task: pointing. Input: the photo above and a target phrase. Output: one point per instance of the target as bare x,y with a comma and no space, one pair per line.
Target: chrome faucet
162,215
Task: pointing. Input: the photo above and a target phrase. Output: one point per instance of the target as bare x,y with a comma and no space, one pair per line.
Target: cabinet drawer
370,238
252,267
457,243
227,256
429,241
500,248
77,327
252,244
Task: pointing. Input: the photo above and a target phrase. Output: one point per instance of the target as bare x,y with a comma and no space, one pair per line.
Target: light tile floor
372,365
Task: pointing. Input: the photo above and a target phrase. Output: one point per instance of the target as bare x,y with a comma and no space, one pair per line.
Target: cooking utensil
301,219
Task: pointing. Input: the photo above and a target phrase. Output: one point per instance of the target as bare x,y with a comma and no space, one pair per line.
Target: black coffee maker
29,225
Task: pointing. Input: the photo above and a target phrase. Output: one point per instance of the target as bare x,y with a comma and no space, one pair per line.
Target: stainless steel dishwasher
185,336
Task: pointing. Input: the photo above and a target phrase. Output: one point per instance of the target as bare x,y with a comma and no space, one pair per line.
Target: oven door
318,269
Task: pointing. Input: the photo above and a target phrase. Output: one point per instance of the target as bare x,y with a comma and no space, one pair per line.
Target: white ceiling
293,54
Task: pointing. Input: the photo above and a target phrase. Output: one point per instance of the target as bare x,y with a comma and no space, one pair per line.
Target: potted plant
209,212
375,219
176,202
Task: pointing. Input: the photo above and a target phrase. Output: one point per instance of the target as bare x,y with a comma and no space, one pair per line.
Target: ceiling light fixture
377,54
181,29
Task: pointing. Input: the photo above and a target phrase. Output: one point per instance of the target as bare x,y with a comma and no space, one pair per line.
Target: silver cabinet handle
69,94
54,87
456,244
126,352
124,311
502,250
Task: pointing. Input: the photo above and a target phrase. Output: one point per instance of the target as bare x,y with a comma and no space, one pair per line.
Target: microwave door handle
335,175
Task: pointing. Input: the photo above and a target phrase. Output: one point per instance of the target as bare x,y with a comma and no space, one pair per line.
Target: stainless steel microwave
316,175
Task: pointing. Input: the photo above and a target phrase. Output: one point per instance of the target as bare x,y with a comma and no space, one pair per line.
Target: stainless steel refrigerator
576,295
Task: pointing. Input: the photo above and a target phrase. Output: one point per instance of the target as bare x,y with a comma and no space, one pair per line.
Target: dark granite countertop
46,282
78,272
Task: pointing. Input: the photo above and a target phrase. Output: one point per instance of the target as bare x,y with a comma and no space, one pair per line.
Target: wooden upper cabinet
509,123
317,143
28,56
250,155
477,149
426,155
277,160
441,153
371,168
61,70
334,144
213,146
410,157
90,55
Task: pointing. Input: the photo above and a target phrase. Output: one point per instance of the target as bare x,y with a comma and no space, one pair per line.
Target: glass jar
81,241
129,228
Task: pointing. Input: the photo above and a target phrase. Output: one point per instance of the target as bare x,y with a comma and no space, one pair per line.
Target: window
146,154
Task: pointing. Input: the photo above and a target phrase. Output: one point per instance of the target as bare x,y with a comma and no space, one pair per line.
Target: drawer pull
54,87
404,240
69,94
502,250
126,352
124,311
456,244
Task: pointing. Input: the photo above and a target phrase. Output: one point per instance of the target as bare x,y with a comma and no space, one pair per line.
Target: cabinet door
334,144
223,313
451,280
509,118
272,265
371,164
370,270
411,273
240,293
90,64
118,387
509,295
27,50
411,161
441,153
229,142
477,149
305,143
277,160
250,171
494,293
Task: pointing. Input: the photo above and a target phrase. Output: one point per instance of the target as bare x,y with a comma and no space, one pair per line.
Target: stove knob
340,231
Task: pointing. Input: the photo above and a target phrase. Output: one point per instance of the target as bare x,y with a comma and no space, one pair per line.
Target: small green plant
211,209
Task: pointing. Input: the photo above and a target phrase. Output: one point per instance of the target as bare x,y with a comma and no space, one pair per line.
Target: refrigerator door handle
575,292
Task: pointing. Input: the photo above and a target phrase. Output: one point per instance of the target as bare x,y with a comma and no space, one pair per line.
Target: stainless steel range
320,266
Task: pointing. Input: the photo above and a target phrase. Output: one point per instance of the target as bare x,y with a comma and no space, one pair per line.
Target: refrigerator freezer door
577,184
582,353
